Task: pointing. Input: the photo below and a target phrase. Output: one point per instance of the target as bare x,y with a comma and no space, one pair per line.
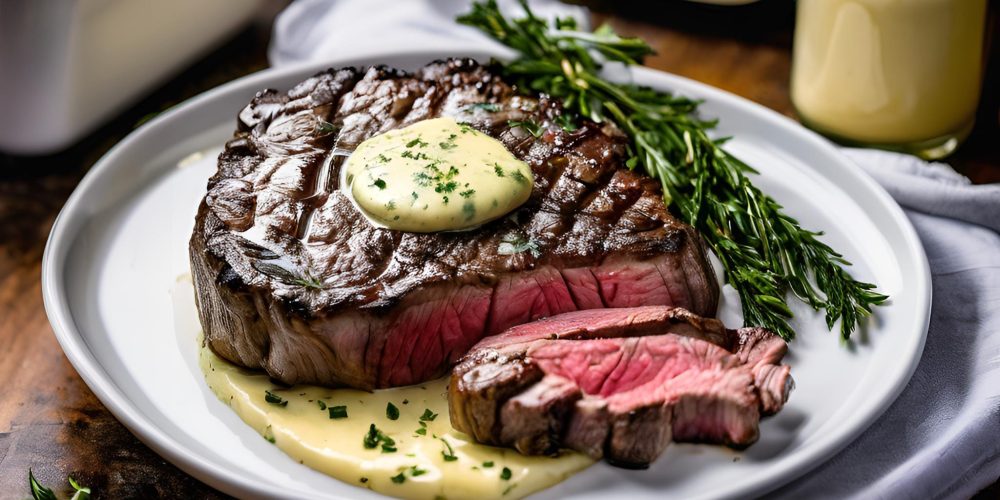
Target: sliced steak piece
292,279
619,384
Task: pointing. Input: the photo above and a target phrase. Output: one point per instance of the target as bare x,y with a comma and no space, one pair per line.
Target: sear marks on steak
292,279
619,384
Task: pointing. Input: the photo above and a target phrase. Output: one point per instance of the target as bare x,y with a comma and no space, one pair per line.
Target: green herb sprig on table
39,492
764,252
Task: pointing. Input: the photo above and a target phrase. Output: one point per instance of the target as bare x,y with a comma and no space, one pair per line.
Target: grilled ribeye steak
293,279
619,384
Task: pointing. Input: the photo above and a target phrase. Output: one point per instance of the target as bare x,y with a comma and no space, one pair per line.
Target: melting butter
299,423
436,175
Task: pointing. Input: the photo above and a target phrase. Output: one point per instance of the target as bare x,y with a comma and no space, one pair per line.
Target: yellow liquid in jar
888,71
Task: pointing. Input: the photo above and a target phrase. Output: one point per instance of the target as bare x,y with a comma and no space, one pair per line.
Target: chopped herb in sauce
448,453
391,412
497,169
416,471
371,438
519,177
375,438
505,474
379,183
467,193
398,478
363,479
487,465
321,404
422,431
274,399
338,411
428,415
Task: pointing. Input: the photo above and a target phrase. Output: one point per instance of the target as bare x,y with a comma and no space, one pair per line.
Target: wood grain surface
52,423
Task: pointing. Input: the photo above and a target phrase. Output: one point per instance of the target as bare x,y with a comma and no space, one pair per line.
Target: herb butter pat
435,175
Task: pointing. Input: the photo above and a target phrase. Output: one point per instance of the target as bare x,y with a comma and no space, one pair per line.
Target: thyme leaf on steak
514,243
488,107
531,127
287,276
765,253
324,127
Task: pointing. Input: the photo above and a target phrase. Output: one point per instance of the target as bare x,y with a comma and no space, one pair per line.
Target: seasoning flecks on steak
293,279
619,384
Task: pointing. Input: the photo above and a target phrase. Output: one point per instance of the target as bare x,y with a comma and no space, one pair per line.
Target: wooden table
52,423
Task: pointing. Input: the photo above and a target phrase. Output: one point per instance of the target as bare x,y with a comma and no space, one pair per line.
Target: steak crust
291,278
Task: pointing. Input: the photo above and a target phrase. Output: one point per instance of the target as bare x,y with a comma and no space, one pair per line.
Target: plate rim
63,234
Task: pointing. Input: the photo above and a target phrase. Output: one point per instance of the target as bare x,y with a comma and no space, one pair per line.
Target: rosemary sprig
764,252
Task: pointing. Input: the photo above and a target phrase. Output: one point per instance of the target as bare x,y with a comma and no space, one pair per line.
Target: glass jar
895,74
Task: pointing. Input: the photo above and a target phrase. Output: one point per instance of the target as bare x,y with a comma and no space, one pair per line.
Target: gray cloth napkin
941,438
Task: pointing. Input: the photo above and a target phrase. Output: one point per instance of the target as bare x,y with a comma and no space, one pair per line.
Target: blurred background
744,47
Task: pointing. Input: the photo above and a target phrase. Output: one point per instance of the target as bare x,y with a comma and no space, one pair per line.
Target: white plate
120,243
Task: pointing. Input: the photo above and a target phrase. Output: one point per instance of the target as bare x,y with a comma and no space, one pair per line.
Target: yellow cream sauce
435,175
298,421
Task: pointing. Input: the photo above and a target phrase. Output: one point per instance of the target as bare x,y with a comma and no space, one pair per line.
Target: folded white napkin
313,30
941,438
